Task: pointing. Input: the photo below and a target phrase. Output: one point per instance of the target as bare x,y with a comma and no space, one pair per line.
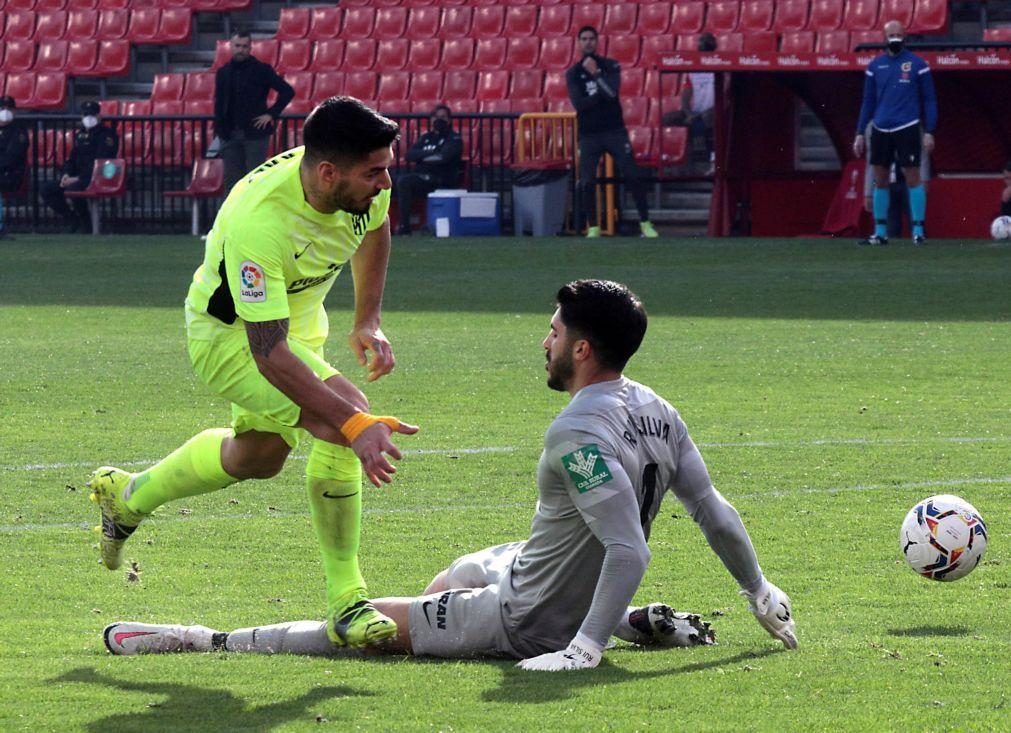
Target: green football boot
360,624
118,521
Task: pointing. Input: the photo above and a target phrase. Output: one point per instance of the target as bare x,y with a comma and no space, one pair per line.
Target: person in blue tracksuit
900,104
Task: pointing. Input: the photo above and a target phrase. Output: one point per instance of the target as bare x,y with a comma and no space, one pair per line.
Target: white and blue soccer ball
943,537
1001,227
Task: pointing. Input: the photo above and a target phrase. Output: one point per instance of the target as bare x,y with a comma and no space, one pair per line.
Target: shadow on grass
519,686
192,708
919,631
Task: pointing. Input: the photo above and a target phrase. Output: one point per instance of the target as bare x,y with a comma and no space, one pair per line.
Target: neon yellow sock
334,482
193,468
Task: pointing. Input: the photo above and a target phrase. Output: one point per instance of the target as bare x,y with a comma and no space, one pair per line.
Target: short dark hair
586,28
438,107
608,315
345,131
707,42
241,33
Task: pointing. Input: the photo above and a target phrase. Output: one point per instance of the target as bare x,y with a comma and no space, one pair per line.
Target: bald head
895,35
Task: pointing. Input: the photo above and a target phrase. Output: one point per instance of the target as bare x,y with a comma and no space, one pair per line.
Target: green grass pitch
830,387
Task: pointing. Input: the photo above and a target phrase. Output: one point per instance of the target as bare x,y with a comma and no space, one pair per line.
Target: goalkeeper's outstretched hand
582,653
771,607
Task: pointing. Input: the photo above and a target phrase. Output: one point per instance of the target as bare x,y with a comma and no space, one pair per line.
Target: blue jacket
898,91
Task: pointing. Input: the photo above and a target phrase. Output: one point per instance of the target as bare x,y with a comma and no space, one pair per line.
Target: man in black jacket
594,84
13,154
242,120
436,156
92,140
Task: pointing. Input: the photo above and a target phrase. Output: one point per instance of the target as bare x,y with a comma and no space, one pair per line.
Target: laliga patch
586,468
252,283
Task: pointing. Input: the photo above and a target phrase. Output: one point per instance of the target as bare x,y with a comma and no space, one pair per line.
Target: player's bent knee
439,583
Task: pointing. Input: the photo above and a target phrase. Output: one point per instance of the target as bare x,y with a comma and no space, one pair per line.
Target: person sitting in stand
13,155
437,157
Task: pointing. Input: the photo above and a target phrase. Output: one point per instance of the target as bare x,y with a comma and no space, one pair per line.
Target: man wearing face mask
594,84
13,154
436,156
92,140
900,104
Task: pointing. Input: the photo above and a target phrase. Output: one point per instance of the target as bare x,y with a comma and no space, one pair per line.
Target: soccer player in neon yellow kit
256,326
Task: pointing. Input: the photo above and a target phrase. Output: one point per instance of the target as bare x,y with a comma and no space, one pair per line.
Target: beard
341,201
560,372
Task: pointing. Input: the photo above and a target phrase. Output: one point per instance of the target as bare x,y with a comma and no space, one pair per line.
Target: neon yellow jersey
271,255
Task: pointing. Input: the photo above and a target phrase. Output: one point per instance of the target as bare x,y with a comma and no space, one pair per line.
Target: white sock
294,637
626,632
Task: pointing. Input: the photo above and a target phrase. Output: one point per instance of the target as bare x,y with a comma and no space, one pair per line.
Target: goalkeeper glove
771,607
582,653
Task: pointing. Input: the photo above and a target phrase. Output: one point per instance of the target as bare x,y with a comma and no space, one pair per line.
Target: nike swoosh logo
424,607
328,495
299,254
124,635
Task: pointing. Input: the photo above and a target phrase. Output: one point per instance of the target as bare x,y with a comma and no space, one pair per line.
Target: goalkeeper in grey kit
554,600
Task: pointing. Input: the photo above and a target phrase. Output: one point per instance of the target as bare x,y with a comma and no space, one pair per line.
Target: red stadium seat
168,86
21,5
523,53
20,26
176,25
166,107
108,180
520,20
82,5
425,54
265,49
624,49
555,20
526,83
489,54
555,86
199,86
394,85
82,25
641,138
113,4
292,24
21,86
358,22
673,145
327,55
619,19
826,15
688,41
721,17
207,181
587,15
222,54
294,55
634,110
456,22
557,53
900,10
394,106
391,54
760,42
390,23
108,107
361,84
113,58
325,23
730,42
457,53
493,85
423,23
135,108
488,22
144,25
427,85
654,19
1000,35
495,106
19,57
113,25
653,47
521,105
359,54
858,37
688,17
459,85
633,81
860,15
791,15
52,57
327,84
43,6
930,16
796,42
423,107
50,91
756,16
82,56
301,82
51,26
832,42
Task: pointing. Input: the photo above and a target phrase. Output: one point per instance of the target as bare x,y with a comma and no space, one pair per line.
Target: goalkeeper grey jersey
608,460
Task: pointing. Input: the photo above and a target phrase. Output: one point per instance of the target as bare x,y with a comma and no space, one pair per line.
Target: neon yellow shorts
226,365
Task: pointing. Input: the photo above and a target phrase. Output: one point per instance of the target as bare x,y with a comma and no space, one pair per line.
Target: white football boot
126,638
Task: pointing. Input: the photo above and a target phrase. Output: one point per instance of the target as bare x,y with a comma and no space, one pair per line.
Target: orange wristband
362,421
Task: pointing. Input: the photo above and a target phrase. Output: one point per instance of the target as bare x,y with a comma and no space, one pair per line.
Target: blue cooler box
465,213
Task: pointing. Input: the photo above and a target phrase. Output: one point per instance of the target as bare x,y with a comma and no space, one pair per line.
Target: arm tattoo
263,337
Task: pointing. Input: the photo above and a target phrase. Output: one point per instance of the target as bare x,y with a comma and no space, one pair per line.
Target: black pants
591,148
52,196
241,155
407,188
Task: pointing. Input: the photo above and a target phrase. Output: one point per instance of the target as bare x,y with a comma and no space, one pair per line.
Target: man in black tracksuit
13,153
594,84
92,140
241,119
436,156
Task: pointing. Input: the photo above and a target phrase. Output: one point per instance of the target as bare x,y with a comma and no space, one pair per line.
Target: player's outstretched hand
582,653
772,608
364,339
666,627
373,446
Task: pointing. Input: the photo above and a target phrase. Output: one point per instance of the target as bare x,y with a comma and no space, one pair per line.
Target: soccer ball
943,537
1001,228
